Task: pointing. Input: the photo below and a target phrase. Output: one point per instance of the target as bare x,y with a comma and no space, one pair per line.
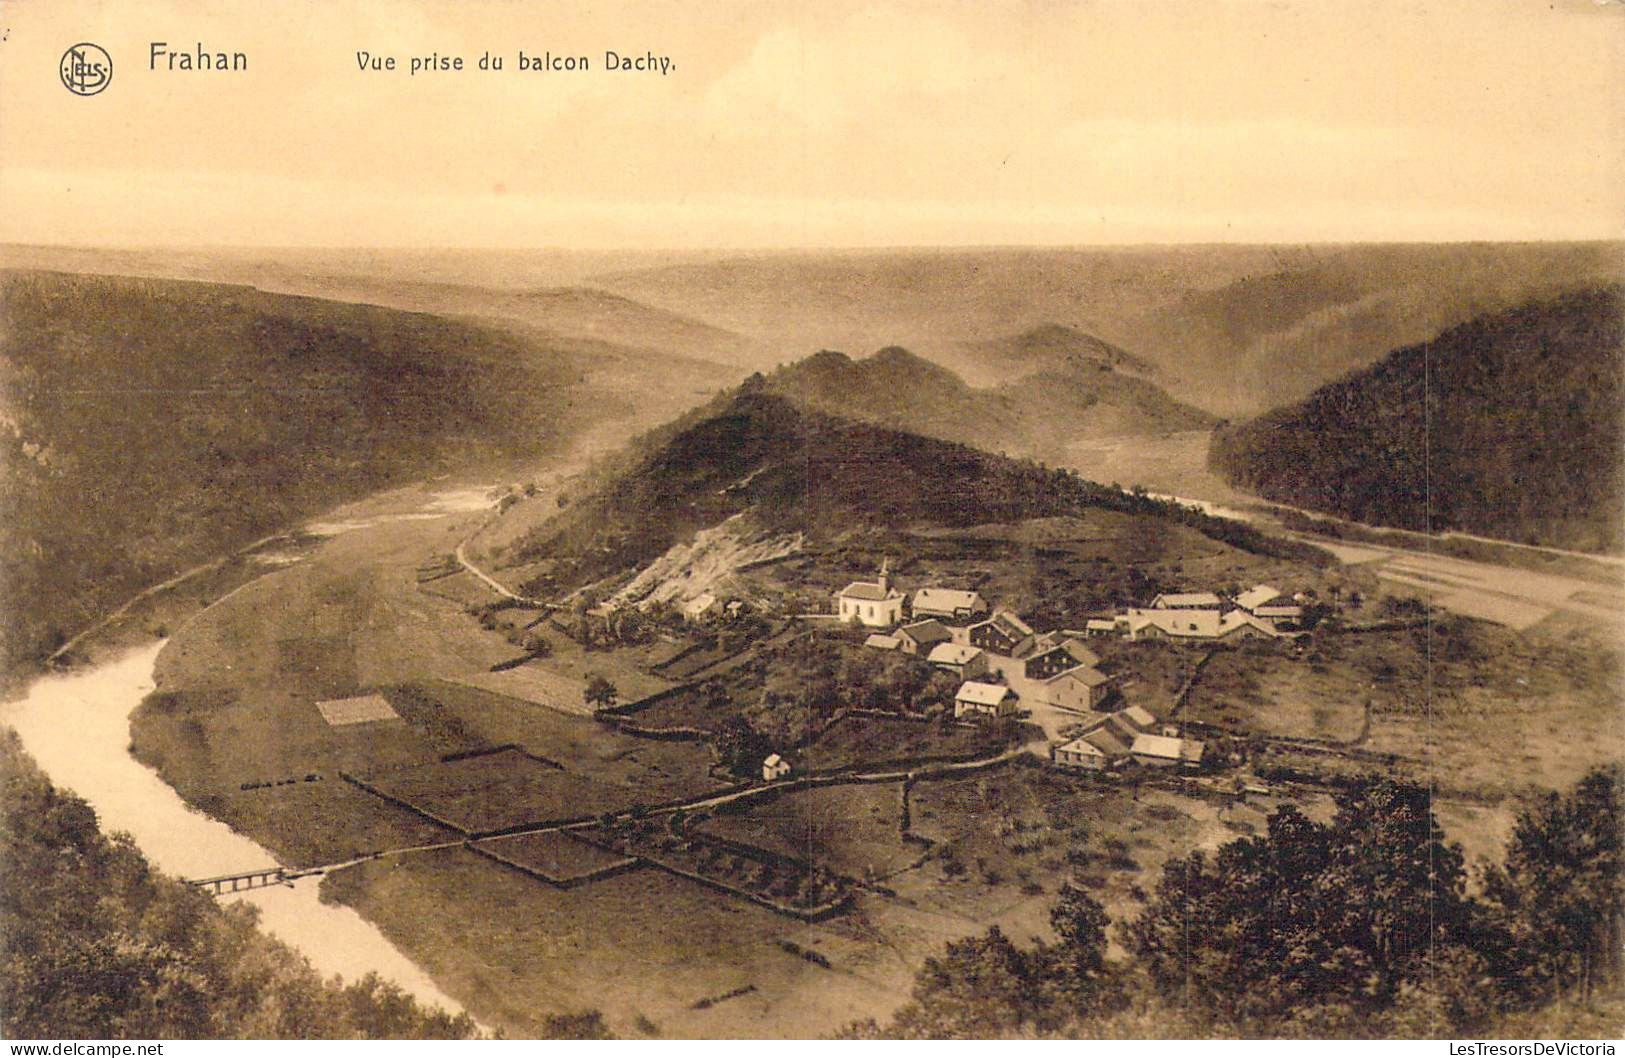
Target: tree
1558,902
982,987
1080,923
1308,914
599,692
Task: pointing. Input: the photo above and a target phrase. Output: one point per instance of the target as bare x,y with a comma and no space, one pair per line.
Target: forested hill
150,425
1039,413
785,468
1508,426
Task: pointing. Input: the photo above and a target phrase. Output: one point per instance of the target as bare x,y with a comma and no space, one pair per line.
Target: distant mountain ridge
1036,413
1233,329
1509,425
1049,347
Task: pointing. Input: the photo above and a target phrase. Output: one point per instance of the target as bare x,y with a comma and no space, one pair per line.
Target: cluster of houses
1260,612
1129,734
1060,668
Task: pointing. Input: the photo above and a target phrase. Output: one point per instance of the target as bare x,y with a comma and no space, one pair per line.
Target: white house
947,602
963,661
871,602
984,699
775,767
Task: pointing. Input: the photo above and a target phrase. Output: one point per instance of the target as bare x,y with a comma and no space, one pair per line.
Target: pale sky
855,124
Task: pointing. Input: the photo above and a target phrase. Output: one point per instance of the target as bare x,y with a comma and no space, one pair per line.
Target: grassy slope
1507,426
152,424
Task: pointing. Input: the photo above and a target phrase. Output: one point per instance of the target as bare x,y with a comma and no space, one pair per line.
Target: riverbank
76,727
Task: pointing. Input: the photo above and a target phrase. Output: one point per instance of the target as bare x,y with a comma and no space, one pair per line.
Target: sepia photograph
875,520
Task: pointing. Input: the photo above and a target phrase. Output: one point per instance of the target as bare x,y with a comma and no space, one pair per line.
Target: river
76,725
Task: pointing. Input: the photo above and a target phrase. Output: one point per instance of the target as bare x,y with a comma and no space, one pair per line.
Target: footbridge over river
244,881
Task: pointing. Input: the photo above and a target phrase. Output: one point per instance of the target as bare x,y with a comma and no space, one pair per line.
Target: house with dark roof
966,662
1004,634
922,637
1056,659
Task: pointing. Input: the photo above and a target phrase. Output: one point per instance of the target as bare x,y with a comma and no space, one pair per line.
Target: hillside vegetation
1235,330
1507,426
785,468
1048,403
95,944
150,425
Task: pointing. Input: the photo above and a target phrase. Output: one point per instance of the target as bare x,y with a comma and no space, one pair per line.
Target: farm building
871,602
699,607
1080,688
1191,600
1068,654
922,637
1004,634
1101,626
948,603
965,662
1266,602
1095,750
984,699
1197,626
1163,751
775,767
882,641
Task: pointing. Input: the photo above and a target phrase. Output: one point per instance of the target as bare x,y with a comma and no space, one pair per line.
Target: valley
631,697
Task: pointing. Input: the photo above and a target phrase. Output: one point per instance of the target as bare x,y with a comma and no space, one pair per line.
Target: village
1054,679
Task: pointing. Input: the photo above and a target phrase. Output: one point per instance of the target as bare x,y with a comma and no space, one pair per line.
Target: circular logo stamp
86,68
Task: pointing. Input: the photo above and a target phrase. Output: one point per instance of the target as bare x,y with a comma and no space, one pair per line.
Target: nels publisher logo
86,69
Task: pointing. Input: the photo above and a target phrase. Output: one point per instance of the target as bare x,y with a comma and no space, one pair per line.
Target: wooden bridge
247,880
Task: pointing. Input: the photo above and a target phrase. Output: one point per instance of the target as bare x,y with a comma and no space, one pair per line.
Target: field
496,791
853,830
863,740
1476,707
556,856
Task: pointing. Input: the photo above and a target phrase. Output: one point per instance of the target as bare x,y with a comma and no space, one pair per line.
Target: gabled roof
952,654
1080,652
881,641
1139,716
1257,596
773,761
1195,624
1090,677
1082,745
1191,599
1106,740
869,591
1007,623
981,693
1168,748
947,599
1100,624
1238,618
927,633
